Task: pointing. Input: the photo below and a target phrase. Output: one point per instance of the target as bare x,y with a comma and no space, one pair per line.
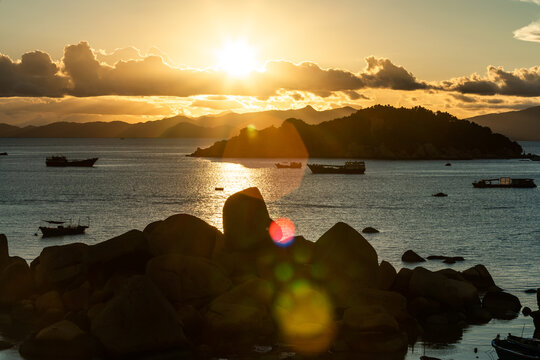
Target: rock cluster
183,289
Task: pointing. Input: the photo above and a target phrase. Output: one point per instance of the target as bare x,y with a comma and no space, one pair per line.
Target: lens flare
304,316
282,231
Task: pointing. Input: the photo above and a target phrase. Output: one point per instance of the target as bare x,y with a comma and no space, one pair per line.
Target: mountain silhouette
219,126
518,125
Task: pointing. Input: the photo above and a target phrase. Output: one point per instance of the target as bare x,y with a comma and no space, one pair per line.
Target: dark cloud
464,98
382,73
520,82
34,75
354,95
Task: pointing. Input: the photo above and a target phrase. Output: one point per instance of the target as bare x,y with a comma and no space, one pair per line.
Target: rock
440,194
477,315
387,275
530,291
4,251
410,256
78,298
59,266
370,319
370,230
392,302
370,345
401,283
62,340
50,300
187,278
479,276
246,221
244,310
422,307
15,281
183,234
453,293
138,319
126,253
451,274
501,305
4,345
341,245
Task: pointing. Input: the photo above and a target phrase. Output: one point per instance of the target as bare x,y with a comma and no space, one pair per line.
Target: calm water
137,181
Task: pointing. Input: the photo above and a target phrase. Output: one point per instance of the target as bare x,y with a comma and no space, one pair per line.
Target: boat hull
515,348
289,166
62,230
330,169
67,163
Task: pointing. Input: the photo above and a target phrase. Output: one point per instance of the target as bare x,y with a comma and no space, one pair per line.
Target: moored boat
61,228
350,167
516,348
62,161
504,182
291,165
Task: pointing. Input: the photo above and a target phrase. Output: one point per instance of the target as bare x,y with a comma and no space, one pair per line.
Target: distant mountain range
517,125
378,132
220,126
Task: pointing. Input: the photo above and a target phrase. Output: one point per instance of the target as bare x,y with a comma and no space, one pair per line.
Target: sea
138,181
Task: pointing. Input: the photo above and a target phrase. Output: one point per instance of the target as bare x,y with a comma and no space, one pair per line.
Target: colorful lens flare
282,231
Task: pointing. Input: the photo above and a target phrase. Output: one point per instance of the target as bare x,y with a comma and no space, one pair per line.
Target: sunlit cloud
530,32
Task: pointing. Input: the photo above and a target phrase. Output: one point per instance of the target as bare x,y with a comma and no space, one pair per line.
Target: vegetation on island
378,132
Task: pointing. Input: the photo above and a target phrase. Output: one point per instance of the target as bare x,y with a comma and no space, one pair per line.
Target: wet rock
530,291
183,234
138,319
410,256
479,276
344,245
440,194
370,230
387,275
59,266
15,281
501,305
246,221
62,340
453,293
187,278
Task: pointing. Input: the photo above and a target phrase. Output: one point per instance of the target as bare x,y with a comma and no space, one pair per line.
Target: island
378,132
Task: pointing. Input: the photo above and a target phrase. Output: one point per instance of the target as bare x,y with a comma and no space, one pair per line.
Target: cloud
519,82
530,32
382,73
537,2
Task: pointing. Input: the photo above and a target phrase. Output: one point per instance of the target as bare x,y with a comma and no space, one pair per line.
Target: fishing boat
62,161
60,228
350,167
504,182
516,348
291,165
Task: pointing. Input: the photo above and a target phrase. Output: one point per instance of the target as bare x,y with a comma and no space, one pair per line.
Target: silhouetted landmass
219,126
517,125
379,132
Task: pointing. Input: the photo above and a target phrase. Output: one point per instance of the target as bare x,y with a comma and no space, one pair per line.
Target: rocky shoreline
182,289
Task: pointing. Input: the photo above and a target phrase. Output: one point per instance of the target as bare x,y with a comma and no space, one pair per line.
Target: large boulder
15,281
51,300
4,251
343,259
401,282
432,285
183,234
59,266
126,253
138,319
242,311
479,276
501,305
370,319
187,278
61,340
387,275
246,221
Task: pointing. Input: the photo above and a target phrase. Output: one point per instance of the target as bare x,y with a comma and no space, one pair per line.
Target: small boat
291,165
505,182
62,228
516,348
350,167
3,153
62,161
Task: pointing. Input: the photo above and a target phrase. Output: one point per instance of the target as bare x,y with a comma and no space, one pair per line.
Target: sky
139,60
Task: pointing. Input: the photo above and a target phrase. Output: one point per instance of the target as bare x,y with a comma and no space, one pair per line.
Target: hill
379,132
518,125
220,126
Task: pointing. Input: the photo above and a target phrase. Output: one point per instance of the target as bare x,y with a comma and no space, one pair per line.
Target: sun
236,58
